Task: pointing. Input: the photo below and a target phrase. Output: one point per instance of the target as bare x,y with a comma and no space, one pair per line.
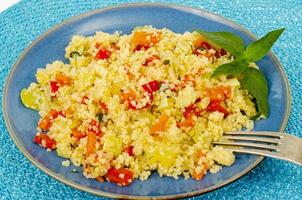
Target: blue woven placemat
272,179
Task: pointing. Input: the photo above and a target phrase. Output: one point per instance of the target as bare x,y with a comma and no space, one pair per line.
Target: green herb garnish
74,54
100,117
229,41
255,117
166,62
250,78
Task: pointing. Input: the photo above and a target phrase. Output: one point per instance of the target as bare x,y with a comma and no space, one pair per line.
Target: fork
271,144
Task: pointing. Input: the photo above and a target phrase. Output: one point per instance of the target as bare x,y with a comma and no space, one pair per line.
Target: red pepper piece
220,52
192,109
103,107
47,121
84,99
201,46
150,59
216,106
94,127
141,47
129,150
122,176
102,54
45,141
54,86
151,86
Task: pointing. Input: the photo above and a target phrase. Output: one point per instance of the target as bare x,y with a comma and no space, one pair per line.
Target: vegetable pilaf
127,105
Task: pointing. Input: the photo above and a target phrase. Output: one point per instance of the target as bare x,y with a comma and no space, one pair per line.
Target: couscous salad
154,100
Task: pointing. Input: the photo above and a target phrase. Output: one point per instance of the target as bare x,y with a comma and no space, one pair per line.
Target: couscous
127,105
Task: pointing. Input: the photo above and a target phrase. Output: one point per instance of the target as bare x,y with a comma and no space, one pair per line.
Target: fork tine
248,144
258,133
254,151
253,139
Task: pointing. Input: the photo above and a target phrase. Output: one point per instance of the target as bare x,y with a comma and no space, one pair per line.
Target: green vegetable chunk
258,49
226,40
28,99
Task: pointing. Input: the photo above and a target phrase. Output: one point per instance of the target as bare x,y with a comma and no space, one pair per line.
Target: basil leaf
255,117
258,49
234,68
254,81
226,40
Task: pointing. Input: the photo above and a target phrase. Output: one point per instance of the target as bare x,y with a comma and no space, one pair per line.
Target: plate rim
189,9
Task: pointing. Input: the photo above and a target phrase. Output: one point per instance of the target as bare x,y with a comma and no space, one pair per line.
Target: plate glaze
21,122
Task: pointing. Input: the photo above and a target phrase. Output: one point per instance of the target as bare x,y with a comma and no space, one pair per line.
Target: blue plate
21,122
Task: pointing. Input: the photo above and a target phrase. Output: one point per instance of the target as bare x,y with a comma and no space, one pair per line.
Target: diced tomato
151,86
66,113
100,179
216,106
220,52
215,94
97,45
94,127
63,79
205,45
188,80
192,110
84,100
226,91
188,122
77,134
45,141
115,47
54,86
161,124
142,40
199,154
103,107
198,176
129,150
47,121
141,47
122,176
130,75
219,93
150,60
102,54
128,95
136,105
91,143
189,110
201,45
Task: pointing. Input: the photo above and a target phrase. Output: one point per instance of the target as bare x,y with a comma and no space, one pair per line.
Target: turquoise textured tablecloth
272,179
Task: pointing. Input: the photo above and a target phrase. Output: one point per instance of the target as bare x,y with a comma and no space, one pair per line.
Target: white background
4,4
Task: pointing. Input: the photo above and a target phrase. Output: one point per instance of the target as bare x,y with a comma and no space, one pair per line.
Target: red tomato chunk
122,176
45,141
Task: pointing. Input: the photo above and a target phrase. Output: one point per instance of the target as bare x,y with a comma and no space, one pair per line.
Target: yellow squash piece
28,99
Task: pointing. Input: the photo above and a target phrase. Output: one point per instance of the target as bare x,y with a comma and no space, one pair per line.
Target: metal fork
270,144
